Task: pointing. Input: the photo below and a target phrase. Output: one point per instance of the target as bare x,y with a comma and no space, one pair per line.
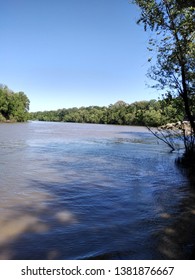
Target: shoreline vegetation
163,113
141,113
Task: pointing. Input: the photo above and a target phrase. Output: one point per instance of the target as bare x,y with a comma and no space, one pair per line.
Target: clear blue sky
66,53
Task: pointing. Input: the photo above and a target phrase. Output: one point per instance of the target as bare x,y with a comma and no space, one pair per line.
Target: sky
73,53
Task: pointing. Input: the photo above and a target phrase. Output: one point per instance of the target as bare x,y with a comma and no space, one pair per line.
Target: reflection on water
81,191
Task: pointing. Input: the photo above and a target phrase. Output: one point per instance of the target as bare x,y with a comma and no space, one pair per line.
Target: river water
85,191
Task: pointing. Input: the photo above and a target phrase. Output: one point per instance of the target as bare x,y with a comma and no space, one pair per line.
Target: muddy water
83,191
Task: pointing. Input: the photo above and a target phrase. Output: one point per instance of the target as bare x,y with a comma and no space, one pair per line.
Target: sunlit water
83,191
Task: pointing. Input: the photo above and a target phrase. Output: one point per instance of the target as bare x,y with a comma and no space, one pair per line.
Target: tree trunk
186,101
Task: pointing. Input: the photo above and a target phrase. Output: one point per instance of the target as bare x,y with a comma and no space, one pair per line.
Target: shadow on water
27,231
55,230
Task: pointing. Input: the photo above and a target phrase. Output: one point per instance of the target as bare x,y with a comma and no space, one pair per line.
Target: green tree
13,106
19,106
172,23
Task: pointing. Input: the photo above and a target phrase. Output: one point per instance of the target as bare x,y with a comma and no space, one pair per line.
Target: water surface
84,191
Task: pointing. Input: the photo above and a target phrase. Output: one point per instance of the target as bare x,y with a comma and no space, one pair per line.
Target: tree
13,106
172,23
19,107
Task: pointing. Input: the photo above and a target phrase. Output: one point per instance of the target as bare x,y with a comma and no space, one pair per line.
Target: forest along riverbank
91,191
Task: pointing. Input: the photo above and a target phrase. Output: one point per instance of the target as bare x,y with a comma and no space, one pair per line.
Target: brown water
80,191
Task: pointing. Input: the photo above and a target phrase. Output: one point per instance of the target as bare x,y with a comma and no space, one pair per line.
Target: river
86,191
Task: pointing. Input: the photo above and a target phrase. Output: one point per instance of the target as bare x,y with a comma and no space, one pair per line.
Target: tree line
13,106
150,113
